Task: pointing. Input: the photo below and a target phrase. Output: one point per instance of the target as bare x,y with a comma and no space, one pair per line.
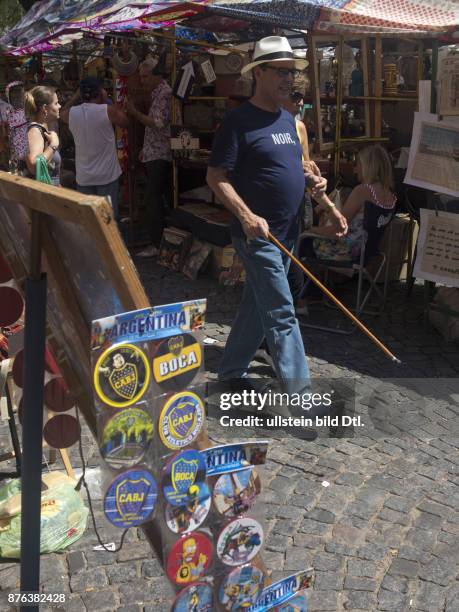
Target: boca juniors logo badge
191,515
181,420
121,375
184,474
241,587
194,598
189,558
176,362
125,437
240,541
130,499
235,493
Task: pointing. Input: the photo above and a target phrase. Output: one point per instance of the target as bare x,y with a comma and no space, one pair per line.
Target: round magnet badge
189,558
130,499
299,603
235,493
241,588
239,541
125,437
197,597
188,517
121,375
176,362
181,420
184,473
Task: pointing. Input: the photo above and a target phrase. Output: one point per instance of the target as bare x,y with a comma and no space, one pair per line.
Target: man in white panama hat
256,171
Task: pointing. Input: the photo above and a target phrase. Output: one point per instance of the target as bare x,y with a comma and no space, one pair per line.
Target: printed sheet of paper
437,256
448,99
434,155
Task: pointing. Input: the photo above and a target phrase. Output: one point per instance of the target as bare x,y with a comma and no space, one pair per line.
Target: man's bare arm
253,226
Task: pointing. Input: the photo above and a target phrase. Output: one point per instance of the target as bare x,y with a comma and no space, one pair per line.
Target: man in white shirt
92,126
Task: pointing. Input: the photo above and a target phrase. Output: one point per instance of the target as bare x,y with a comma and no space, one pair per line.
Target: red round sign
11,306
189,558
56,395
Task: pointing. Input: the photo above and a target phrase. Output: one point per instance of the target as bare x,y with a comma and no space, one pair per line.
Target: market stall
366,64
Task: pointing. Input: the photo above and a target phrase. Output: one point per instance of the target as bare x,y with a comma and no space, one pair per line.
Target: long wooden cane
334,299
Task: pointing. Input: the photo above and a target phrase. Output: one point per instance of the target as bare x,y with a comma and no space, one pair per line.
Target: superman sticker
130,499
176,362
181,420
121,375
184,477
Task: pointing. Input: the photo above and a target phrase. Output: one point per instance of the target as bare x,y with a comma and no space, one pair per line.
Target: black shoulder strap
40,127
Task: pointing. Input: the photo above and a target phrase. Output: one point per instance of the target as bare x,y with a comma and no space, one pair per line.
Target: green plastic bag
42,172
63,519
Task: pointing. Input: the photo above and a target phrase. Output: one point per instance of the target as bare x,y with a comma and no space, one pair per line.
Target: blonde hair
376,166
36,98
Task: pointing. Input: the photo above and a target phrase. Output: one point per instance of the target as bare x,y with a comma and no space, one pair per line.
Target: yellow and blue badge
176,362
131,498
121,375
181,420
183,476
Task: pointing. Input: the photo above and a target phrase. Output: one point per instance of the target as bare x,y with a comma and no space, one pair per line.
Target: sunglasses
283,73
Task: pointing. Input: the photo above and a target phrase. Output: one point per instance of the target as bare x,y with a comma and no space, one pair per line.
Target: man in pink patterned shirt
156,152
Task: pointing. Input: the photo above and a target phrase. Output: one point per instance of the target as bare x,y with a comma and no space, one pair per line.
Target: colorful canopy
425,17
52,23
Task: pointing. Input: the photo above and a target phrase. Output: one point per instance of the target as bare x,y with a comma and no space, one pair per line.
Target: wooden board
90,273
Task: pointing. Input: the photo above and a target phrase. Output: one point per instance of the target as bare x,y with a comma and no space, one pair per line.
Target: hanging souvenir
239,541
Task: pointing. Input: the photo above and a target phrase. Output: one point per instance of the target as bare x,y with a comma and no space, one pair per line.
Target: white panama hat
274,49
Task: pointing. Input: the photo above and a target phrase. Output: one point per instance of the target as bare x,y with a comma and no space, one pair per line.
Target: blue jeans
110,190
266,310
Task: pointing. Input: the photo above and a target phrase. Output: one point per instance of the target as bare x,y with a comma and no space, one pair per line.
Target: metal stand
32,425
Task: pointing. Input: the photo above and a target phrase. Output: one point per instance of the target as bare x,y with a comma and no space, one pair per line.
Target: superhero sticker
240,588
181,420
184,477
239,541
190,516
194,598
125,437
176,362
131,498
121,375
235,493
189,558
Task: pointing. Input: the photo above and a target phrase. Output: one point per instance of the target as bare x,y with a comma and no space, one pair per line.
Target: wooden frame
88,217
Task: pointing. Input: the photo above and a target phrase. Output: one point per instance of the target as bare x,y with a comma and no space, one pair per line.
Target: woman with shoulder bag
43,160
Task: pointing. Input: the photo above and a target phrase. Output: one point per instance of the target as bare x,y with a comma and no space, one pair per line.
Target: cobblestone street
375,514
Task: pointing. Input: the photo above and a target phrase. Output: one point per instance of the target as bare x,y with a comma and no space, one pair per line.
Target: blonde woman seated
374,172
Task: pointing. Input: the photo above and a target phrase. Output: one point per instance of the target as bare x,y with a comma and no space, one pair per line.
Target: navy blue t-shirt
262,153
